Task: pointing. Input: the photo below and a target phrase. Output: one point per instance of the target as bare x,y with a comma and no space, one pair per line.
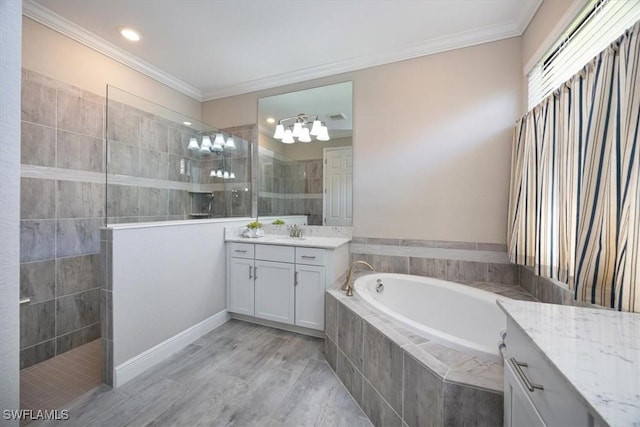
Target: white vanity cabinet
283,283
534,395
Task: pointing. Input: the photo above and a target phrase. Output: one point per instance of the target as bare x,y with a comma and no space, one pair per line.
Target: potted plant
278,222
254,229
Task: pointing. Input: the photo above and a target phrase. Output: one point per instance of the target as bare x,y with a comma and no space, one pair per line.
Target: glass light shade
288,137
206,142
304,136
219,173
324,134
232,175
279,133
212,173
219,141
205,150
230,144
297,129
315,128
193,144
225,175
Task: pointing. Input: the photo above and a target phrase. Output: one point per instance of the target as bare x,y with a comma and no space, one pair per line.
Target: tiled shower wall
290,188
62,209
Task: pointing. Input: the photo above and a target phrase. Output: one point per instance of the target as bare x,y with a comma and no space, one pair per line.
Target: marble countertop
595,351
284,240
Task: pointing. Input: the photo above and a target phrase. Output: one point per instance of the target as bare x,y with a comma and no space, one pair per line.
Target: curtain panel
574,205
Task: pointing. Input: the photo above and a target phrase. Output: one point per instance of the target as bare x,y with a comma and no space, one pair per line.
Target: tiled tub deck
401,379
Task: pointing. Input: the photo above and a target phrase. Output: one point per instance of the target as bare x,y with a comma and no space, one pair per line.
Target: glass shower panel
163,165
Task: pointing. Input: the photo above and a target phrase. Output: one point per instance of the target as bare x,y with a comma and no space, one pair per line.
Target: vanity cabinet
283,284
525,403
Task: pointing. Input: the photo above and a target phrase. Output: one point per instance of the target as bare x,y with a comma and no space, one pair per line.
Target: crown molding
527,14
427,47
57,23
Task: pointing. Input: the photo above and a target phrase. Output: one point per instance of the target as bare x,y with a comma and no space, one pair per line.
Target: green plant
253,225
278,222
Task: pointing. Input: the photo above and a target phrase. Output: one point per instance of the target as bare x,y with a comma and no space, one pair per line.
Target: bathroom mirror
305,155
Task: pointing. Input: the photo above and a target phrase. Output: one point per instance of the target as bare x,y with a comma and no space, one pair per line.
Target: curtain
574,206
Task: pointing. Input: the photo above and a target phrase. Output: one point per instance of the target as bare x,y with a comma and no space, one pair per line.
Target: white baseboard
136,365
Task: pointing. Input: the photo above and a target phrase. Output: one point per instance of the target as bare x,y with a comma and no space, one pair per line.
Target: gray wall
10,34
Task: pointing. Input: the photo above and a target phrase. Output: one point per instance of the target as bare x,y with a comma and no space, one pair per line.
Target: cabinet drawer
242,250
275,253
310,256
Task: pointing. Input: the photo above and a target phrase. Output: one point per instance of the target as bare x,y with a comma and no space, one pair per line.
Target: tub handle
518,367
379,286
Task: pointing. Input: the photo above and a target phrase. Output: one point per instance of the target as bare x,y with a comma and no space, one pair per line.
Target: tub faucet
348,286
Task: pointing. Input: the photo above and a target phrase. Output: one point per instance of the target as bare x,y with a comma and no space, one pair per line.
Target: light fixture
230,144
219,140
302,128
206,142
130,34
193,144
216,147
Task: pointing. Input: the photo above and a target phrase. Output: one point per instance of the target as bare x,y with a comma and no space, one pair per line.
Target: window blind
596,27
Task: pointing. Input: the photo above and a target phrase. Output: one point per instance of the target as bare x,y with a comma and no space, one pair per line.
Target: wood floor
240,374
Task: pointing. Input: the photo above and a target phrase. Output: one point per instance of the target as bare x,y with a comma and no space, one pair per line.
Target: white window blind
596,27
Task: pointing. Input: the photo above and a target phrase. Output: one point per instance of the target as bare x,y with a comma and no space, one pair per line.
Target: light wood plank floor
240,374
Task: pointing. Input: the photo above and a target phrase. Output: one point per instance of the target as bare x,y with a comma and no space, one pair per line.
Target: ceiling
211,49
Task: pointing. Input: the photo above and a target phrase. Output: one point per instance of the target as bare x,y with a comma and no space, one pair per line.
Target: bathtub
455,315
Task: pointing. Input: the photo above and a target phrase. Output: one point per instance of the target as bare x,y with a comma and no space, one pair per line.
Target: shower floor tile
55,382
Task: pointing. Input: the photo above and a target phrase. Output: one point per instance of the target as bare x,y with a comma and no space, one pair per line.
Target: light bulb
206,142
288,137
297,129
315,128
230,144
304,135
193,144
219,141
279,133
324,134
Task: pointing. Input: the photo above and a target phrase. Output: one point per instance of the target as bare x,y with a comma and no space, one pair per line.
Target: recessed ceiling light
129,34
271,120
186,123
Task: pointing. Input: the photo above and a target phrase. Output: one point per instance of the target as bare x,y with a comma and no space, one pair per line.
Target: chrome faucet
347,284
295,230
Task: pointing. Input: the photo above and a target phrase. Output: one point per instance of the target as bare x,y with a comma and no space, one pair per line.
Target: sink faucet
347,284
295,231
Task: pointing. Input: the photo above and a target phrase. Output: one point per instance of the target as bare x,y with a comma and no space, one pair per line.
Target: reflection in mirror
163,165
305,155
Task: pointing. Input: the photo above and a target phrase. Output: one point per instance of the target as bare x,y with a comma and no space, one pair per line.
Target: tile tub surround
62,206
461,262
399,378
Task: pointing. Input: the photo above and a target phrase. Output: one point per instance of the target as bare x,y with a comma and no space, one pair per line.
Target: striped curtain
574,208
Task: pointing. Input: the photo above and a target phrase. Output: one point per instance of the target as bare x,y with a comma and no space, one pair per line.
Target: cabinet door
519,411
274,292
240,287
310,287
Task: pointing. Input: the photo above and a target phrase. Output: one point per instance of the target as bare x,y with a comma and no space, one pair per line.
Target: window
598,25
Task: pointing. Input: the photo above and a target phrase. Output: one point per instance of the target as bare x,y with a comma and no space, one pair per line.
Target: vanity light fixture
290,128
130,34
206,147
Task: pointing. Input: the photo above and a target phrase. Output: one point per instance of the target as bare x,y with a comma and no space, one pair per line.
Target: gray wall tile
80,152
37,353
154,135
77,237
466,271
37,240
37,323
80,199
37,280
330,352
331,316
377,409
75,339
383,366
423,395
123,126
80,115
107,361
154,164
38,145
37,198
467,406
77,274
106,314
428,267
391,264
350,334
350,376
77,311
153,201
122,200
493,247
503,273
123,159
38,103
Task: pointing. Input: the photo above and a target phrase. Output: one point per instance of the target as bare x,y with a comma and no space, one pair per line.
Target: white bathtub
455,315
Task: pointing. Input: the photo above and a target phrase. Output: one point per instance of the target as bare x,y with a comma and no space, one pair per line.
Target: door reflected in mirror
305,155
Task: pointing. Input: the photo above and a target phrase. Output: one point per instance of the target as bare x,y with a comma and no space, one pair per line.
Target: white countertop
596,351
284,240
